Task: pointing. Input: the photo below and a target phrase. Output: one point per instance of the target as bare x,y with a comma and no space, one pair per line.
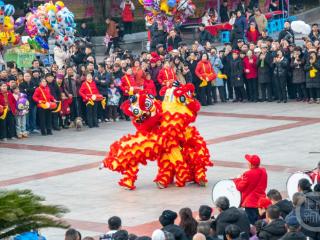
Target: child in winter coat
149,85
114,96
22,106
65,109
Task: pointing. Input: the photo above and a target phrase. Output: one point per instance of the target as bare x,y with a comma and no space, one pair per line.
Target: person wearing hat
293,229
263,204
252,184
167,219
236,76
264,73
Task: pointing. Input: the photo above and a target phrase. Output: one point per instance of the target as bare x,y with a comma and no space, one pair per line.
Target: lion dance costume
164,135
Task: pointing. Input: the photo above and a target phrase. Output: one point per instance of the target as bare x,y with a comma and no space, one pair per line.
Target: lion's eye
135,111
148,104
182,99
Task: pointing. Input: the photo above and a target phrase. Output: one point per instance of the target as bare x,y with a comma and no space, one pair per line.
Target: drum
292,182
227,188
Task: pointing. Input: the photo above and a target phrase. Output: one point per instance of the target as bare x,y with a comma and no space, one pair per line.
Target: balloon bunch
50,19
168,12
8,25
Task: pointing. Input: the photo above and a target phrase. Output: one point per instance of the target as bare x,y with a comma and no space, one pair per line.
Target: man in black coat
224,14
173,40
230,215
307,216
284,205
265,61
204,35
102,80
275,227
237,78
286,33
167,219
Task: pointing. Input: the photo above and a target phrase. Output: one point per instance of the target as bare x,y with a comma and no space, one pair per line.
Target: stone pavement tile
215,127
297,109
290,147
19,163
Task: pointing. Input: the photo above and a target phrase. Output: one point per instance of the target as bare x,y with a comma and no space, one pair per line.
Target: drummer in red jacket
128,84
90,95
45,104
315,174
166,75
252,184
7,112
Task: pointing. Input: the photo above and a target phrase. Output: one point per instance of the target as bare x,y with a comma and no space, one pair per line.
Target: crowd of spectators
278,219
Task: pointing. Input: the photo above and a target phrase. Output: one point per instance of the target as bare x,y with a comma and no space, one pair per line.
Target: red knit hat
235,51
264,203
253,159
153,60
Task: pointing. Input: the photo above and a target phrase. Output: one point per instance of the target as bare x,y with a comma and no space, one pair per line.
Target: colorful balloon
9,10
19,22
59,5
42,43
171,3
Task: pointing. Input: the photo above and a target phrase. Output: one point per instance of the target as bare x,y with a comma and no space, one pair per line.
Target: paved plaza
64,167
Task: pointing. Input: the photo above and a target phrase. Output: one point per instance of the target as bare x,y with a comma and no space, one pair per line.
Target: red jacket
252,184
205,71
88,89
252,67
42,95
128,85
252,36
65,107
166,75
149,87
11,102
127,14
315,176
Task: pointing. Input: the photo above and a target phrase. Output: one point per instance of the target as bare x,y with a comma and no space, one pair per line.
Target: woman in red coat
252,33
166,75
127,7
7,112
251,73
90,95
252,184
206,74
45,104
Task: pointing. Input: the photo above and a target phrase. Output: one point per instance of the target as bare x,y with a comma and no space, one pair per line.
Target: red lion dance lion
164,135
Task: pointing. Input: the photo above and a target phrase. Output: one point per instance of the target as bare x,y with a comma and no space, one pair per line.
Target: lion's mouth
143,117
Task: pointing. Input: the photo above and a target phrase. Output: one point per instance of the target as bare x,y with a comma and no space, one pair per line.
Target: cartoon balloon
9,10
